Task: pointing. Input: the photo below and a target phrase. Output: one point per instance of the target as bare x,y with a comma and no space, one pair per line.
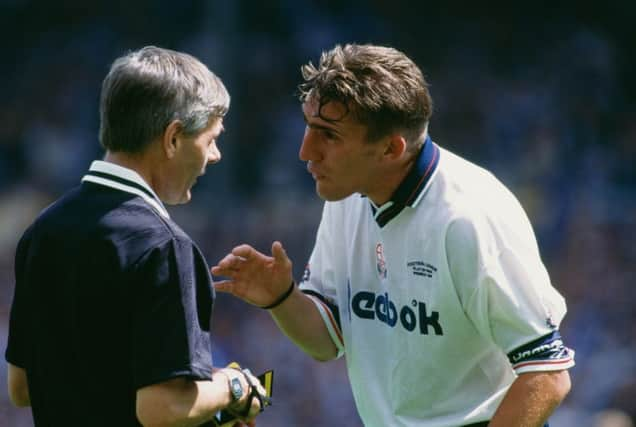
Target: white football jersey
437,298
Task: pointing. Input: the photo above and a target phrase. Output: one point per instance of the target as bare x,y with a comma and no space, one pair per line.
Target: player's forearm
181,402
531,399
300,320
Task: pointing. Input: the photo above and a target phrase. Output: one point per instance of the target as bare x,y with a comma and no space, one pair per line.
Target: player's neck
389,181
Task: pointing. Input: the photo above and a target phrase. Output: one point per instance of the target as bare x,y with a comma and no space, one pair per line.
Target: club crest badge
380,262
306,274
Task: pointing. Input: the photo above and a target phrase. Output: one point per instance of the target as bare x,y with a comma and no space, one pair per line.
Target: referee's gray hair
147,89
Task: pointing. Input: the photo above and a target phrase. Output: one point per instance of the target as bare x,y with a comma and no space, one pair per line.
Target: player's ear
395,146
171,138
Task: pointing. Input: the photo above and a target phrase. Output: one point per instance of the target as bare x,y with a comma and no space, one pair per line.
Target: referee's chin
181,199
185,199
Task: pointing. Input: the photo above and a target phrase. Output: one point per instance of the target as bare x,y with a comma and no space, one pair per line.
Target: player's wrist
282,298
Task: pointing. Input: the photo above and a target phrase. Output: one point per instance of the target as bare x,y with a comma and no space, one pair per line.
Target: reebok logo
368,305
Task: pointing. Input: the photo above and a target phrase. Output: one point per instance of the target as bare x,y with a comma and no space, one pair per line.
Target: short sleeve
18,345
506,292
173,302
319,280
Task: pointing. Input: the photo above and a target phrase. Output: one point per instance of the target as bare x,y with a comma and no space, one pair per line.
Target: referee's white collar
124,179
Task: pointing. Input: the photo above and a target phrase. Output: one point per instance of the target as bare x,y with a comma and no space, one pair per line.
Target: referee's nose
214,154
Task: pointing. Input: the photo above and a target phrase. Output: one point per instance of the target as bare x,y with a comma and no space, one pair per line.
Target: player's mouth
317,175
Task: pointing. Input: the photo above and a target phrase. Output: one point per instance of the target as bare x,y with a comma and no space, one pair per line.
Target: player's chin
331,194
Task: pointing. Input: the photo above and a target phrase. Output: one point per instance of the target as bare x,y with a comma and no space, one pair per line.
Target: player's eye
329,136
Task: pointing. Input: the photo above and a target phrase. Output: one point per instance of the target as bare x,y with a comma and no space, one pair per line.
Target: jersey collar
412,188
124,179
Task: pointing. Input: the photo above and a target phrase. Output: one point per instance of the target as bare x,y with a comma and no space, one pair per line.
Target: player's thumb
278,252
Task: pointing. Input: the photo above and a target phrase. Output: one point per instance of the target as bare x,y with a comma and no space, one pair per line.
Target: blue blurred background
541,94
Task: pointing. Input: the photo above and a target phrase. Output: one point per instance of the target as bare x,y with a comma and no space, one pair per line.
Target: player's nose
309,149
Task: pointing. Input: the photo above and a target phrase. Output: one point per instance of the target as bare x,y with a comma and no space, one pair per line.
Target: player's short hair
147,89
380,86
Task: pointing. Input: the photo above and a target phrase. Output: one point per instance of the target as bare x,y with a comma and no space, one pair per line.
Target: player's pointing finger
228,262
244,251
218,271
224,286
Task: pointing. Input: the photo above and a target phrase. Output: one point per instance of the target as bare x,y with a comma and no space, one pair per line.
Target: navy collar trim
124,179
412,188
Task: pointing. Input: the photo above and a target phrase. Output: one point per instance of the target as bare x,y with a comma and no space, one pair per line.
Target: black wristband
282,298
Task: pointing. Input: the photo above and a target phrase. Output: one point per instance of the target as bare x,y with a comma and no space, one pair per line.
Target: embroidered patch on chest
421,268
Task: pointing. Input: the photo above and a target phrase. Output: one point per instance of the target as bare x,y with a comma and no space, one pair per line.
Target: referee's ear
170,139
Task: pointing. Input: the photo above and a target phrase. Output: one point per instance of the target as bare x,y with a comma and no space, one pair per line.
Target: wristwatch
236,388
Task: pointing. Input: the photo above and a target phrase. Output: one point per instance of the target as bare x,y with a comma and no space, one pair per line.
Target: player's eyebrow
320,126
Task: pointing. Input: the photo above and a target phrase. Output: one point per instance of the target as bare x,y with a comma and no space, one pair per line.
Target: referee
110,319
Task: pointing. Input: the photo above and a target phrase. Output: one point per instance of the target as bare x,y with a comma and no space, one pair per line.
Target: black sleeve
171,312
18,343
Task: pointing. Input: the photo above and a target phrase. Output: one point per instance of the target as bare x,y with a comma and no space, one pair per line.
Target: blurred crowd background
543,95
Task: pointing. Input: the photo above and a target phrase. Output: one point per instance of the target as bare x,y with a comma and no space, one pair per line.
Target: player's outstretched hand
254,277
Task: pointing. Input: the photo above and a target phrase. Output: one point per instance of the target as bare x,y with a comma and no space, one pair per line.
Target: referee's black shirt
110,296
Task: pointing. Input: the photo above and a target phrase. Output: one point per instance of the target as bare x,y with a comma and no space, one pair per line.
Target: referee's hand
247,407
254,277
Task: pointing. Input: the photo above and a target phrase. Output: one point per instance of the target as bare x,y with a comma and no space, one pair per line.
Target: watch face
237,388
